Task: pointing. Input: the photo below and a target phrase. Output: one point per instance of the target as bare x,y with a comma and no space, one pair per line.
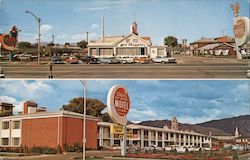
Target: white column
200,142
169,136
156,138
179,139
114,51
112,139
142,138
149,138
192,140
188,140
184,139
163,139
101,136
210,142
174,138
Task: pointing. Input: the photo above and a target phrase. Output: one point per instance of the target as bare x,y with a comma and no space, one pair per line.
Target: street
187,68
234,71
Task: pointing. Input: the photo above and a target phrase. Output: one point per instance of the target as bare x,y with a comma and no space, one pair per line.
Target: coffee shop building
131,45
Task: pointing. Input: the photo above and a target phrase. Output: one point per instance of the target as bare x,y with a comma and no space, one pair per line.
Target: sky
192,101
69,20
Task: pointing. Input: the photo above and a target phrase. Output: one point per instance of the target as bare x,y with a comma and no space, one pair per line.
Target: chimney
29,107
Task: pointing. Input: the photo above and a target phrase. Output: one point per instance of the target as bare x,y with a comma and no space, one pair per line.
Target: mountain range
224,126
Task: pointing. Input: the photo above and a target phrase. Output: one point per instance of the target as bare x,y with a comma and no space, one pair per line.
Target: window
16,124
16,141
5,141
5,125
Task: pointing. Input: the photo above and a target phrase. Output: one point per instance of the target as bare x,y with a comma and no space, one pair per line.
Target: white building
131,45
145,136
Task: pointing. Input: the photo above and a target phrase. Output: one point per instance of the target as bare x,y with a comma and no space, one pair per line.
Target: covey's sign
118,104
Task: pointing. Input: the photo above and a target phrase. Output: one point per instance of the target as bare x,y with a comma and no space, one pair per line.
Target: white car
126,60
181,149
164,59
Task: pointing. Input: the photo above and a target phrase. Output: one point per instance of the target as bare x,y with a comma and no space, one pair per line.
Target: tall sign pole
84,119
118,105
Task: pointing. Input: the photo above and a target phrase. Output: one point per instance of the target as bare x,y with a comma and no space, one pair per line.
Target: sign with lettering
241,30
116,129
132,41
8,43
118,104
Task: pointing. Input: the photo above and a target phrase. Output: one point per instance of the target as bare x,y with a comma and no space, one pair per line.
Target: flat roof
136,126
61,113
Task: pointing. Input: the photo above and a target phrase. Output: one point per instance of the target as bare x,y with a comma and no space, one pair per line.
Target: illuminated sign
118,104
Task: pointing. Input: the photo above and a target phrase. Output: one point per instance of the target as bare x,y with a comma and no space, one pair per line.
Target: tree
93,108
82,44
171,41
66,44
24,45
51,44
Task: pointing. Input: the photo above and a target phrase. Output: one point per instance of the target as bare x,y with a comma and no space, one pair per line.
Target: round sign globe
118,104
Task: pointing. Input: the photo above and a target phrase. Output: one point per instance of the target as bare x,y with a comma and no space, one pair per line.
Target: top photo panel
124,39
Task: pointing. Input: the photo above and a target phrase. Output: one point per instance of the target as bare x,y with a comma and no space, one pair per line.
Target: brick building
6,109
52,129
221,46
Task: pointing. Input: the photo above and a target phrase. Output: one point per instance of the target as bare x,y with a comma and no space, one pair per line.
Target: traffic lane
135,73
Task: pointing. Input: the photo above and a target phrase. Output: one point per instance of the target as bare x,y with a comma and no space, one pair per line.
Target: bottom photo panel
124,119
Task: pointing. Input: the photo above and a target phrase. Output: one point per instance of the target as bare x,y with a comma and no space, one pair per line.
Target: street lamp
39,34
84,118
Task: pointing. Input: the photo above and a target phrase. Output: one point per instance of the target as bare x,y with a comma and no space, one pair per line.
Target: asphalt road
128,71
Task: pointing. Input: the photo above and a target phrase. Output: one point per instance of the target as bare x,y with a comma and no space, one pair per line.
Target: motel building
36,127
131,45
145,136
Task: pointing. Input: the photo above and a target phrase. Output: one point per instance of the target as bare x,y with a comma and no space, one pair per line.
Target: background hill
228,124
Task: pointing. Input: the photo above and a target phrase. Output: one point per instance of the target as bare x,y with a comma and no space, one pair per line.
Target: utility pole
102,28
53,38
87,37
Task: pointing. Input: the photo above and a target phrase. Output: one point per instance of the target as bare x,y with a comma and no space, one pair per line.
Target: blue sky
68,20
192,101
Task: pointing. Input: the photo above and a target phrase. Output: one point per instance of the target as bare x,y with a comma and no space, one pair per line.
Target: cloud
18,104
94,26
45,28
92,9
76,37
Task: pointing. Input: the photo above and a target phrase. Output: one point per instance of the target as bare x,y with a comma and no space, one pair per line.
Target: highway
127,71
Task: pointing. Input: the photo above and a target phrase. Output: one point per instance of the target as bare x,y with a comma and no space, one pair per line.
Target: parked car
72,60
181,149
164,59
57,60
109,60
141,60
94,61
86,59
24,57
126,60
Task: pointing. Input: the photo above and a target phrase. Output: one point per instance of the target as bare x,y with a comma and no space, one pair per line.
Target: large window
16,141
5,141
5,125
16,124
